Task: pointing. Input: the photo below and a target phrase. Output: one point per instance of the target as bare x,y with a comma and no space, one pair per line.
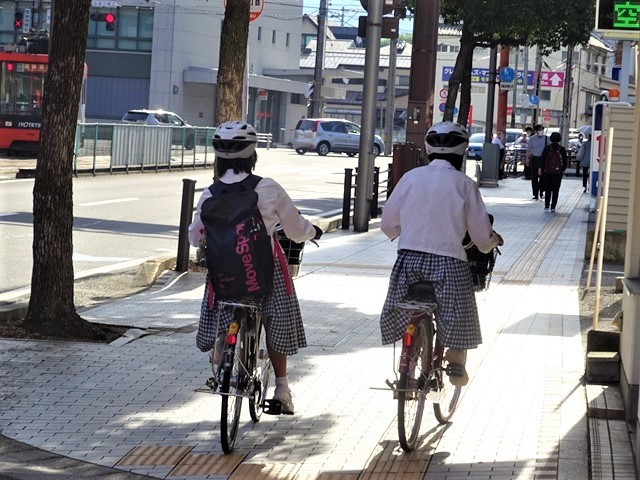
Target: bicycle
421,373
244,369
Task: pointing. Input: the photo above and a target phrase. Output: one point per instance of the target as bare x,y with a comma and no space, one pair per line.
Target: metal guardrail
123,147
349,192
265,138
112,148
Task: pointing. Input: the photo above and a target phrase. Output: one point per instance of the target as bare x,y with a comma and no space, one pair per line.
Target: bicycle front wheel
264,375
232,380
412,386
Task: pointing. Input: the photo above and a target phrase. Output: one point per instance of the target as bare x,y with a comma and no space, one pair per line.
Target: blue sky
346,12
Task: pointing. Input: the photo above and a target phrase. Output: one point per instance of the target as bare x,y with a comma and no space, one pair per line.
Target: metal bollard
376,187
186,212
346,198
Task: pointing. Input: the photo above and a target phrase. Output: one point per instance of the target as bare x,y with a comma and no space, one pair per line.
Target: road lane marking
81,257
107,202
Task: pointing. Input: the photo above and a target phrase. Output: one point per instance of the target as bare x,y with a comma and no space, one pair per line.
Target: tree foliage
233,57
51,307
546,24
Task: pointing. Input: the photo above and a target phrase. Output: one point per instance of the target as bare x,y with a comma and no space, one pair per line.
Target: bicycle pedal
212,383
274,407
455,371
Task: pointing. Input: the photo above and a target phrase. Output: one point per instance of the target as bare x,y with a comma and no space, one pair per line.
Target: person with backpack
429,211
233,218
552,167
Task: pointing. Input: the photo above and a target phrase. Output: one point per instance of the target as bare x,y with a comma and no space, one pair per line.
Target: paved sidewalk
132,405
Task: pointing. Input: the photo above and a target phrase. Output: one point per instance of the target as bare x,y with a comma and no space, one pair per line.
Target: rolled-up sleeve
390,222
478,223
295,226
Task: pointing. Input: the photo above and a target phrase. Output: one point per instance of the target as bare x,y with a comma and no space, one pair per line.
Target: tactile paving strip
524,269
270,471
207,464
154,455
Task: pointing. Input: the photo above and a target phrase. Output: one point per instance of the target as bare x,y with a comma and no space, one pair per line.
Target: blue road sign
507,74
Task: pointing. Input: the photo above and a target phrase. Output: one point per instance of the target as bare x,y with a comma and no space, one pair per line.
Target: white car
180,134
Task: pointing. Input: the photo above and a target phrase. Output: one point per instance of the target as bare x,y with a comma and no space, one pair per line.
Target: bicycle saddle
422,291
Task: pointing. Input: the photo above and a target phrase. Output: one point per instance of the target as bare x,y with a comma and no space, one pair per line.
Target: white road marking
107,202
81,257
7,214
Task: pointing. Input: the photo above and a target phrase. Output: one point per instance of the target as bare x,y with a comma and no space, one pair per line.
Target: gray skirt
457,318
279,309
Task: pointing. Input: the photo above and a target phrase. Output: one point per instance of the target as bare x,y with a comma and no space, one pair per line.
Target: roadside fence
113,148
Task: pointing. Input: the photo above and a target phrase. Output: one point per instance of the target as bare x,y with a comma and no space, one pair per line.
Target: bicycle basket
292,252
481,265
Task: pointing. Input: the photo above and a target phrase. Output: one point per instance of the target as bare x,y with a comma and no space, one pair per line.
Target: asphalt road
122,220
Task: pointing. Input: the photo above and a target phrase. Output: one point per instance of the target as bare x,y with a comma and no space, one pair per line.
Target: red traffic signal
110,20
17,20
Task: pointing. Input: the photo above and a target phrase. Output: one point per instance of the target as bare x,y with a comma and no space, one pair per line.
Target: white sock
282,382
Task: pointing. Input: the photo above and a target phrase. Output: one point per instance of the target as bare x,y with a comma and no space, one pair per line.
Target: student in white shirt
430,209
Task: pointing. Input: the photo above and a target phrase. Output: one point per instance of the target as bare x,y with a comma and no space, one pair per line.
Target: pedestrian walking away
552,168
535,146
584,157
234,144
523,142
430,210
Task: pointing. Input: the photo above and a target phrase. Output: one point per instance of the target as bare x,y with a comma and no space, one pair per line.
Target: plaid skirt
279,309
457,317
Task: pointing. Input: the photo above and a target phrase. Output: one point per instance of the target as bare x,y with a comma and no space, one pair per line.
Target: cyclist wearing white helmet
234,144
430,209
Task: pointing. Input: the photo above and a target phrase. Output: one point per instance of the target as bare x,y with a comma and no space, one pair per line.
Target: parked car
162,118
324,135
474,150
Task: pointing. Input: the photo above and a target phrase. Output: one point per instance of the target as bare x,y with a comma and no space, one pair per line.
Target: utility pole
362,208
503,96
315,107
566,97
537,84
515,92
391,96
524,117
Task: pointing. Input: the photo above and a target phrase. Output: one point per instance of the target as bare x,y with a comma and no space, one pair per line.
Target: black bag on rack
481,264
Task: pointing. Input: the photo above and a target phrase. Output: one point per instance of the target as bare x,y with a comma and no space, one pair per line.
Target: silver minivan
324,135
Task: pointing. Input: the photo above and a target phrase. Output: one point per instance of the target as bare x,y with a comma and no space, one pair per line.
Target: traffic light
110,20
17,21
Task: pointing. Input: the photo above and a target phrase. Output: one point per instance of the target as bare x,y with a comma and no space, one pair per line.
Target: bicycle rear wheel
412,387
449,397
233,379
264,375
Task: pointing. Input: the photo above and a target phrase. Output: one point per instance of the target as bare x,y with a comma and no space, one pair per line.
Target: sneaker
283,394
457,359
534,198
553,210
546,209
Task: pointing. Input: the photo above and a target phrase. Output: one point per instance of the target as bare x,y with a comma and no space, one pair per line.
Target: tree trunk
461,68
465,92
233,56
51,308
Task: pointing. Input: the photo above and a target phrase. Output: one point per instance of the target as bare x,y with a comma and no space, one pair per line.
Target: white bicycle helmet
447,138
235,139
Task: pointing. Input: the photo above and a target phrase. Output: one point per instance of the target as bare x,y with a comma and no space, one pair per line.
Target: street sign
507,75
255,8
443,93
548,78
